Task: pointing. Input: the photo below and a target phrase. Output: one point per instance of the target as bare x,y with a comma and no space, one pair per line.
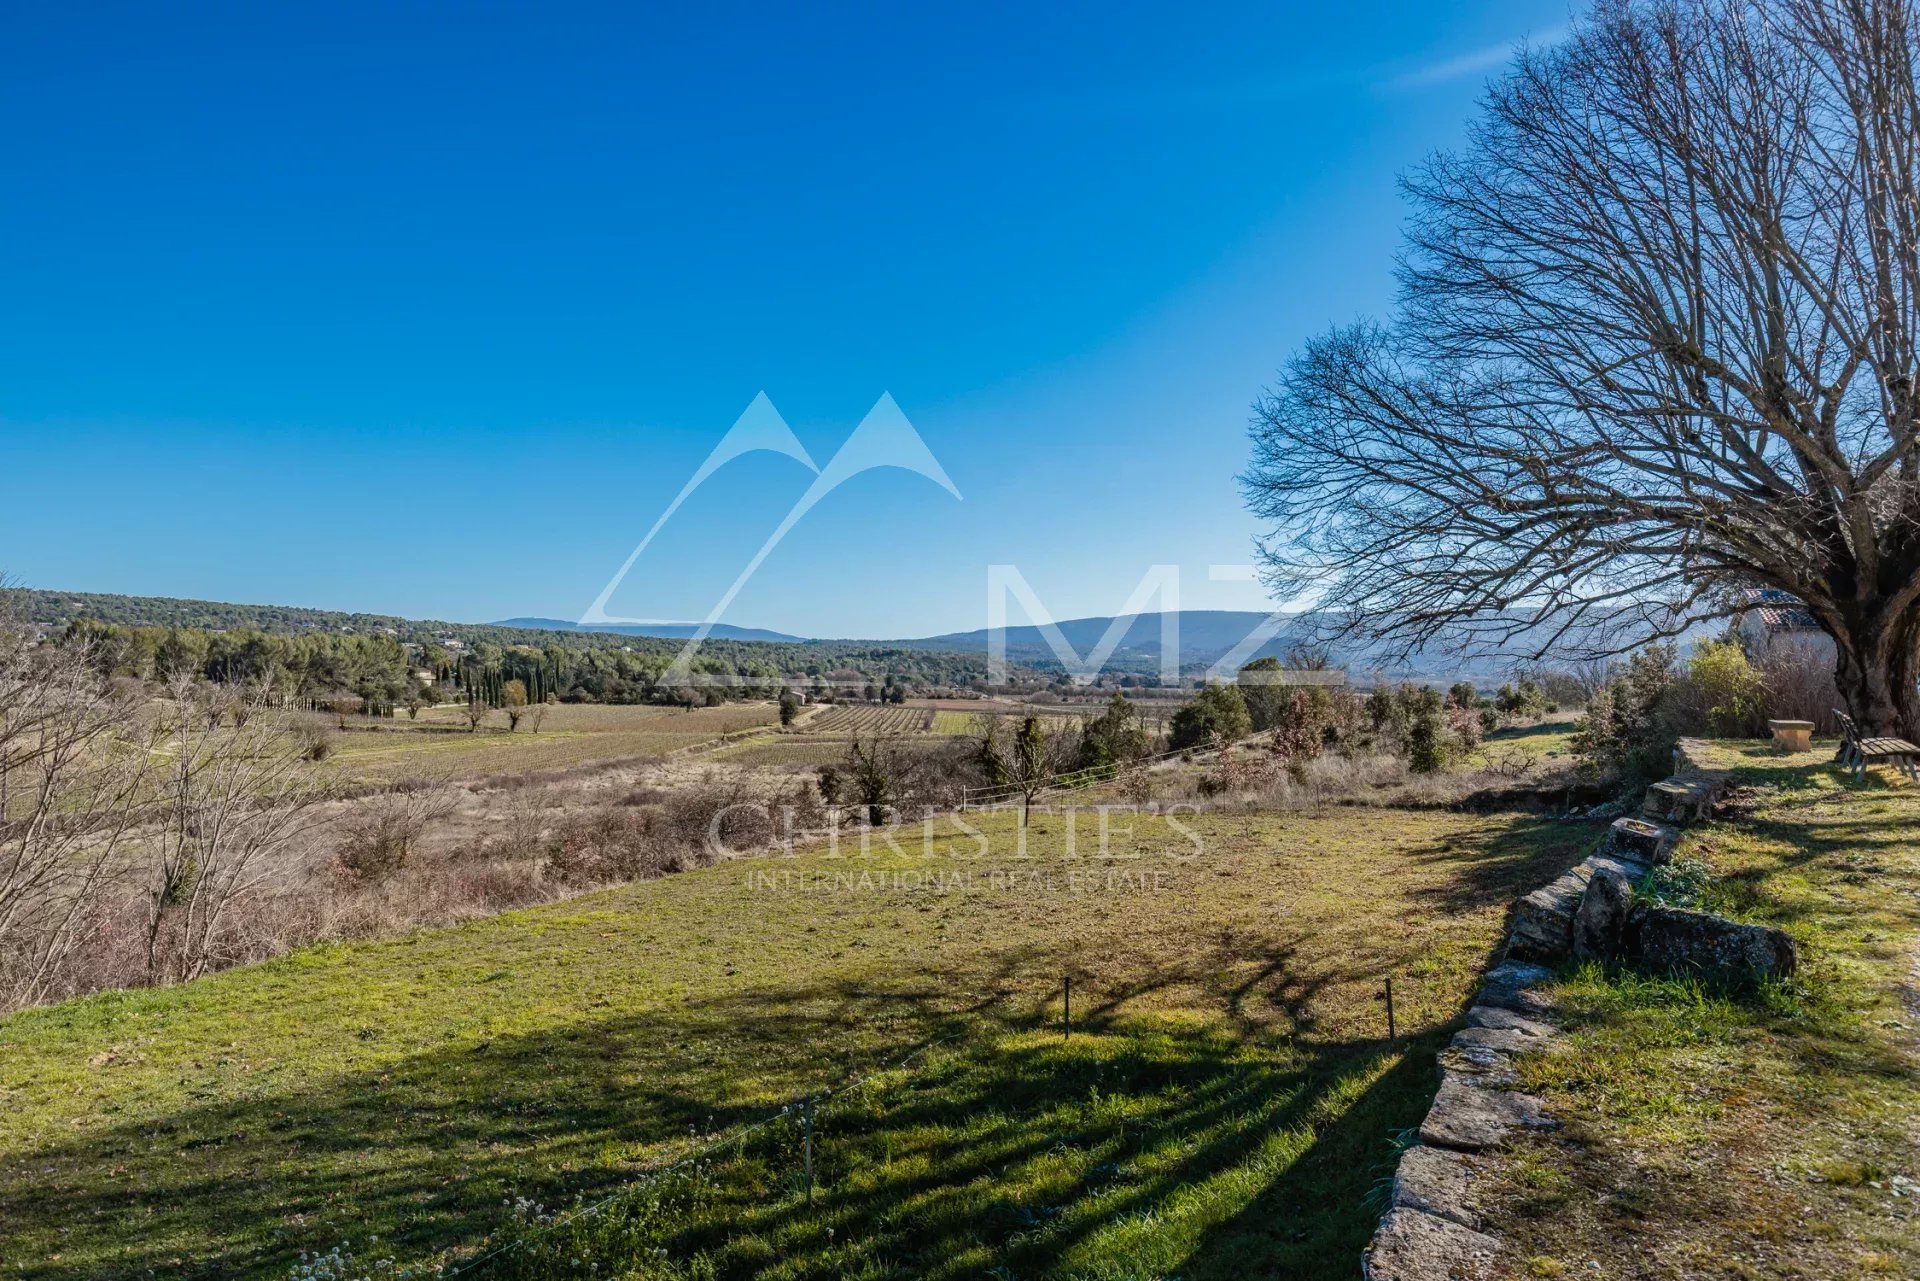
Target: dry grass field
438,744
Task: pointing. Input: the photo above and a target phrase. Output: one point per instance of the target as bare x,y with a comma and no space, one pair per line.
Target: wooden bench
1857,753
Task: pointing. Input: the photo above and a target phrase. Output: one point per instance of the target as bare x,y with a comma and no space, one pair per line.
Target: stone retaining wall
1433,1227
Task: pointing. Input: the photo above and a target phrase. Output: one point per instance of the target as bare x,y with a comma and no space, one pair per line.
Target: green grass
1227,1103
1128,1151
1552,737
1754,1134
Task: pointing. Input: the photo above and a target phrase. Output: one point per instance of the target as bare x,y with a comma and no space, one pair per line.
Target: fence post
1066,1006
1392,1034
806,1115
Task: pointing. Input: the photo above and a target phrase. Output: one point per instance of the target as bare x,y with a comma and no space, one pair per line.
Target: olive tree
1656,348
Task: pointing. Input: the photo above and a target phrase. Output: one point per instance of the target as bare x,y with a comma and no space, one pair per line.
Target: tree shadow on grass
1128,1149
1500,866
1214,1143
1031,1147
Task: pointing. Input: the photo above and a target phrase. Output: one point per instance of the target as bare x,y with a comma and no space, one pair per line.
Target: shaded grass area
1772,1133
1134,1148
406,1088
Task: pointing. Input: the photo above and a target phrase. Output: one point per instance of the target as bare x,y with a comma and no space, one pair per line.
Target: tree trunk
1877,665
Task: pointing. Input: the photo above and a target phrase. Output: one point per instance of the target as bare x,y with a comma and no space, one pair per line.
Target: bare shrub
716,816
521,839
315,737
935,777
1135,784
1798,686
1239,773
231,800
69,788
492,887
381,833
802,809
605,845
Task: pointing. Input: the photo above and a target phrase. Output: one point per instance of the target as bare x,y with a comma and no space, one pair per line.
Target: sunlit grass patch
1764,1130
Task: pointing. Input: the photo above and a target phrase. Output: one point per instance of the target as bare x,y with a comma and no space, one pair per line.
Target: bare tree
1029,757
231,801
1656,348
536,713
70,785
476,713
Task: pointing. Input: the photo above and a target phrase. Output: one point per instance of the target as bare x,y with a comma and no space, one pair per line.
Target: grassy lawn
1226,1102
1770,1134
1549,738
571,735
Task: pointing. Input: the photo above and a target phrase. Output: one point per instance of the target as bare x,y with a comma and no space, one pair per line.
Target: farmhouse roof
1779,612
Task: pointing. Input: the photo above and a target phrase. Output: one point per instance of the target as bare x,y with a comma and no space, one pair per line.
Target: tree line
316,668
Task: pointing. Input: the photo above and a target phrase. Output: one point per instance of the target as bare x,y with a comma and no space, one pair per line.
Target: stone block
1471,1117
1639,841
1600,926
1519,974
1541,928
1677,941
1497,1040
1412,1245
1439,1182
1681,799
1504,1020
1528,1002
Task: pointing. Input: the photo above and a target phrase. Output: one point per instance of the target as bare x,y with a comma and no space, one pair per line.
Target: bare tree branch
1656,347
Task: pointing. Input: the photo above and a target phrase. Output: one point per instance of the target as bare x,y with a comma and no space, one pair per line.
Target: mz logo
884,438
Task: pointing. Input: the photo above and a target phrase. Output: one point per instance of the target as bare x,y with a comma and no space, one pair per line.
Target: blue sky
431,311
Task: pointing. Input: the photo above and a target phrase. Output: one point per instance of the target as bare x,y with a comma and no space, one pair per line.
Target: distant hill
665,631
1205,635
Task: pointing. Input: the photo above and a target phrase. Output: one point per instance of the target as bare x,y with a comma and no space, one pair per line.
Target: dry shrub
481,889
382,831
803,808
718,815
935,777
315,737
522,837
1798,684
1135,785
1237,773
605,845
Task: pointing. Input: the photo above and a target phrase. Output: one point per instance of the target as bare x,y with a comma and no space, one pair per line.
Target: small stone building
1772,621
